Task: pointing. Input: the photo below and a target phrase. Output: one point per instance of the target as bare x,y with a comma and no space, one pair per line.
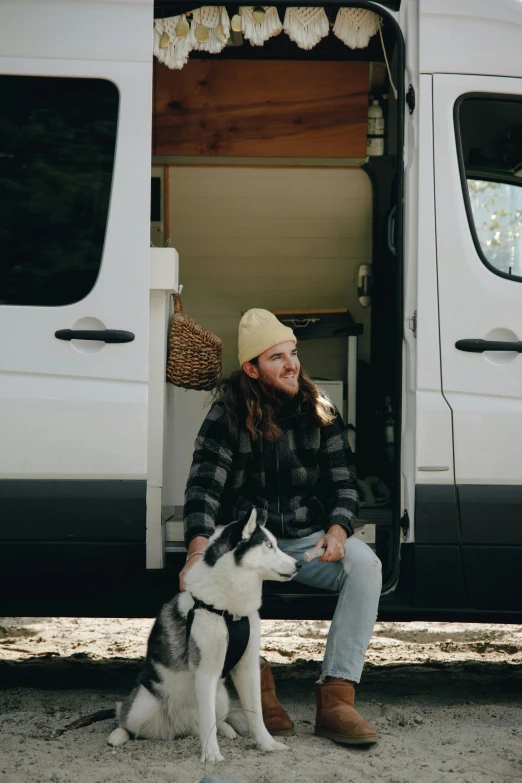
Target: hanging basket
194,356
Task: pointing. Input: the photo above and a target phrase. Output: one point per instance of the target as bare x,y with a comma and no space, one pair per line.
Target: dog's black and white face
252,547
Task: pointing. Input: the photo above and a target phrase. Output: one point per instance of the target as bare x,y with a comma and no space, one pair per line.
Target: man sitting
273,440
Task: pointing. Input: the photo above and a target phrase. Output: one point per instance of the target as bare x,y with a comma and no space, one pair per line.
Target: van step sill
373,515
174,535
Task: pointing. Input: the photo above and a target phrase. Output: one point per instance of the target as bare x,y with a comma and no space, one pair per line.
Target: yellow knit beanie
259,330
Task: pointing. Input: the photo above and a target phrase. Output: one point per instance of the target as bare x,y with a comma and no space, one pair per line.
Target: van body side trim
436,514
492,575
72,510
491,514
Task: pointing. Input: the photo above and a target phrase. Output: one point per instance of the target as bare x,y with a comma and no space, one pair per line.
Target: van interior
262,183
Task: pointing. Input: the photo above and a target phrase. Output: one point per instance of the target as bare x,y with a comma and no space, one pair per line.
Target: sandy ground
445,698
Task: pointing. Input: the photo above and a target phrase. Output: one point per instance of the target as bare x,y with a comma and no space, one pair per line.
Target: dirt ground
445,698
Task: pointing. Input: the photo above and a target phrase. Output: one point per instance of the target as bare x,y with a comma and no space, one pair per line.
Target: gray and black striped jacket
302,483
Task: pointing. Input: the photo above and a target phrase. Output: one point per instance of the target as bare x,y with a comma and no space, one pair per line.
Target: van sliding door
75,98
478,192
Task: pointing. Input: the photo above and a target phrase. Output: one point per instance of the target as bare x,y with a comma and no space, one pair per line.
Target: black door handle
479,346
103,335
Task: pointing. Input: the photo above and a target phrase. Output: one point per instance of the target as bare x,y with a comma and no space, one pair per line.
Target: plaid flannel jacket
317,485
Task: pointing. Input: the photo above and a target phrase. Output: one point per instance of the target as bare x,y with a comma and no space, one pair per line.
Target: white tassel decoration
176,54
355,26
306,26
216,19
259,32
210,29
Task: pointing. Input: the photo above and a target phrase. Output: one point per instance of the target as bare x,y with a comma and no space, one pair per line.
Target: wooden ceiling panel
262,109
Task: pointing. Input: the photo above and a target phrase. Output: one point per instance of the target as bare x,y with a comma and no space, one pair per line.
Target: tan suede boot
336,716
276,719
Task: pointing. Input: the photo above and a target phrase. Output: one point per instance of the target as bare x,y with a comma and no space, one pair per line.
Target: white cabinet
186,410
333,390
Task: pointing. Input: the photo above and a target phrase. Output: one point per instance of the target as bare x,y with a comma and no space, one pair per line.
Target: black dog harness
238,633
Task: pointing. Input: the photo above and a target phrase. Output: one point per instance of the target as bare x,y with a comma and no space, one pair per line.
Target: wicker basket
194,356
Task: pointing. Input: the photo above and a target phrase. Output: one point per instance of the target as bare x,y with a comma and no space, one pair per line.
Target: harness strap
238,634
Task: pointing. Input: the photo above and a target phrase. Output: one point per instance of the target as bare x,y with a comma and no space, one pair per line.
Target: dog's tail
236,718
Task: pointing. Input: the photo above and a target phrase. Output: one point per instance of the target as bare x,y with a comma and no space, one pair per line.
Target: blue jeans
358,580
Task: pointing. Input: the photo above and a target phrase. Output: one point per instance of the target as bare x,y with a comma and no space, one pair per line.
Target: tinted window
491,159
57,143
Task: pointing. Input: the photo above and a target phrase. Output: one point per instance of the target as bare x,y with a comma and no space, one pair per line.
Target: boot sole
369,740
286,733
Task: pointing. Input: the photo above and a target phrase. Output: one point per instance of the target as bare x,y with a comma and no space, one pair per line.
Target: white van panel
471,36
185,412
488,433
485,393
433,441
118,30
59,427
77,409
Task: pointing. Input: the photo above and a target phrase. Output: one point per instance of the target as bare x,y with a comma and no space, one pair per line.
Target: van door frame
391,576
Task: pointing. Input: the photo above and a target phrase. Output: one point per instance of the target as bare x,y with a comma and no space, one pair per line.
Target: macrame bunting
209,29
355,26
259,32
306,26
170,50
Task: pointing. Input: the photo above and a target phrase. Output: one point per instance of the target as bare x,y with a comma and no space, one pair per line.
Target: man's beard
281,393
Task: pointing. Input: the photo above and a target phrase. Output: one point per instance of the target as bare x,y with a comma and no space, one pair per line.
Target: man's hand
333,542
198,544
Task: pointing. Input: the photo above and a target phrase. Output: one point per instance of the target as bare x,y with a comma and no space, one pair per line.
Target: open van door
74,283
478,194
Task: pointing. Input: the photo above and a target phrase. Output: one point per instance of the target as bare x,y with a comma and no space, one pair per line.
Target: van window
490,131
489,136
57,144
497,211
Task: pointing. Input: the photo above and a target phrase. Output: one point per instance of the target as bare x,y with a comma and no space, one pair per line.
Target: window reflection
497,212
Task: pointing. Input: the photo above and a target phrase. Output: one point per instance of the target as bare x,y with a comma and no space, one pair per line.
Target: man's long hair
248,406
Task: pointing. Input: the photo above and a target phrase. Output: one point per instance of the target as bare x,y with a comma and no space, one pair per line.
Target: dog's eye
269,544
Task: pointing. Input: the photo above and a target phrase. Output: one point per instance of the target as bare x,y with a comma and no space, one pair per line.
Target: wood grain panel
282,109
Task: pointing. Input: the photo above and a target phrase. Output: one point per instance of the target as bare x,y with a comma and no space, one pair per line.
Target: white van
401,273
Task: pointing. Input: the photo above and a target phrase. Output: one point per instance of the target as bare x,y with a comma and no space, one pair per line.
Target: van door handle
479,346
103,335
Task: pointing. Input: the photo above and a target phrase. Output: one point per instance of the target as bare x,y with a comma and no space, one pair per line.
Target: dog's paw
269,747
224,730
211,756
118,737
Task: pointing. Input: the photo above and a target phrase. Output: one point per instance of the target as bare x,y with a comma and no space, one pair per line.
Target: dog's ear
250,525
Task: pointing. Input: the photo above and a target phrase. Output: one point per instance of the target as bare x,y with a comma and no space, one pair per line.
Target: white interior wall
277,238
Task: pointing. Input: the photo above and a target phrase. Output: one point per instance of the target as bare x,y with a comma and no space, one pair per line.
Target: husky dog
181,689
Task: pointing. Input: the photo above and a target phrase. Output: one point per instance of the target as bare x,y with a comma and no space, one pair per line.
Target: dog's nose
298,565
